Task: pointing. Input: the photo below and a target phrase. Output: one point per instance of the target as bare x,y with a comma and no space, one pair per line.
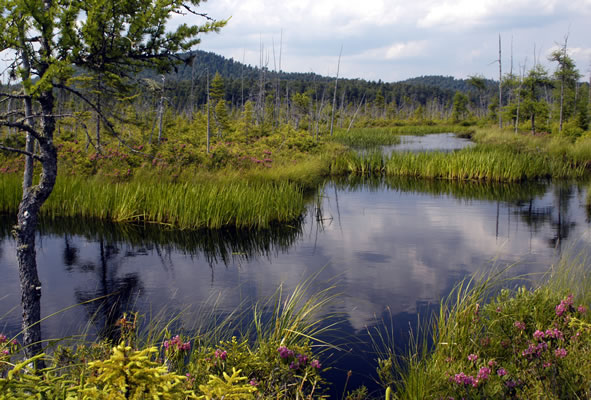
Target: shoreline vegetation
496,336
254,183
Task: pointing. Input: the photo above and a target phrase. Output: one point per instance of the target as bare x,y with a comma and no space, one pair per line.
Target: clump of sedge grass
477,163
179,205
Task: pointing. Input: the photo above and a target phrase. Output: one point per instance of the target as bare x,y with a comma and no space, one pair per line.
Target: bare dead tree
500,87
334,98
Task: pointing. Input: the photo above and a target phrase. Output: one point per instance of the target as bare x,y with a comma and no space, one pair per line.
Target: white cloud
395,51
395,39
580,52
406,50
462,14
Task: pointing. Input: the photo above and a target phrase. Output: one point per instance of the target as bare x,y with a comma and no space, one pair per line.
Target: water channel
392,247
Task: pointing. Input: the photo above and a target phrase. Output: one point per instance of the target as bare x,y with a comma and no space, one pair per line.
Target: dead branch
26,153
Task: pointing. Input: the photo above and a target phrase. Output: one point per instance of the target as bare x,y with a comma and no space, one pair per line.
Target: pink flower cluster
519,325
284,352
565,305
535,350
463,379
3,338
483,374
472,357
560,353
554,334
297,361
221,354
177,343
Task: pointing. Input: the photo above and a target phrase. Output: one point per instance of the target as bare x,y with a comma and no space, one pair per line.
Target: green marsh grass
179,205
477,163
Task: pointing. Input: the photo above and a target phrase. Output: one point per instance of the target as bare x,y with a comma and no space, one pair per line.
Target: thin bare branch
103,118
26,153
14,96
189,9
25,128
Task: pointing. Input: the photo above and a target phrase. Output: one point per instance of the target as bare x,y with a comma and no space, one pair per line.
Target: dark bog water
393,247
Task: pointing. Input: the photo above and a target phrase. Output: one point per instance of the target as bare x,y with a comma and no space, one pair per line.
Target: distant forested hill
246,82
445,83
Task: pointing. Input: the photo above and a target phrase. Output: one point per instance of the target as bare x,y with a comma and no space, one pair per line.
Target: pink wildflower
221,354
483,373
316,364
284,352
501,372
519,325
463,379
560,353
472,357
538,334
554,334
564,305
3,338
582,309
302,359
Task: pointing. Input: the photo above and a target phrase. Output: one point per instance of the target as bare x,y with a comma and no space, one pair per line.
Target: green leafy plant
132,374
229,387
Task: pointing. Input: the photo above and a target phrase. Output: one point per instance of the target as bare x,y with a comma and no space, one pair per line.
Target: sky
398,39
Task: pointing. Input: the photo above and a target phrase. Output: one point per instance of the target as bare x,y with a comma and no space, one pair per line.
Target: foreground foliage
517,344
273,358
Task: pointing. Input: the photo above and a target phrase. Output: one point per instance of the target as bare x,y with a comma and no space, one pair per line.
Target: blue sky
394,40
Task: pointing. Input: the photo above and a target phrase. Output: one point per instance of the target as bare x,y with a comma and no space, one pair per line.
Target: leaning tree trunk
24,232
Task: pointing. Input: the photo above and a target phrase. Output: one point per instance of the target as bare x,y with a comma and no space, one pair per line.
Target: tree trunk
24,232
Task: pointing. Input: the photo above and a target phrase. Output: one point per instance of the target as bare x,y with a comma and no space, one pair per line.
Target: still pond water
393,247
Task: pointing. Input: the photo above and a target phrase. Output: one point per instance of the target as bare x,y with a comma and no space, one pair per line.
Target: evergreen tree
46,42
534,105
460,107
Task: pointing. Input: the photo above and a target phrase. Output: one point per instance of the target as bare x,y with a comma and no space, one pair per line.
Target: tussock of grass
179,205
478,163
